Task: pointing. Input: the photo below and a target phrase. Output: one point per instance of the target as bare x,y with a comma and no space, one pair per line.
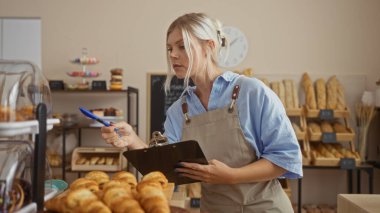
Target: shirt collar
227,76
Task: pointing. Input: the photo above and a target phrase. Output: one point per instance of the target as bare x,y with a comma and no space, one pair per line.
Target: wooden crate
119,161
314,113
340,137
295,112
323,161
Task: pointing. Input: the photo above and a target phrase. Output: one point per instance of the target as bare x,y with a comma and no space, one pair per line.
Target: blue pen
89,114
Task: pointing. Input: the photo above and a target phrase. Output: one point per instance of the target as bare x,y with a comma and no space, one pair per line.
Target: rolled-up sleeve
279,142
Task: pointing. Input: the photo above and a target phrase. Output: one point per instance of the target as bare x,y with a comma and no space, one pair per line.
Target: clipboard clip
158,139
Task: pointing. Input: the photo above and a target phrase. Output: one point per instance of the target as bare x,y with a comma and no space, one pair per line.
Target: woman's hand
127,135
215,172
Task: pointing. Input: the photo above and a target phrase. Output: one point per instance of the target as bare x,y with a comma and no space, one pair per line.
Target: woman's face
177,53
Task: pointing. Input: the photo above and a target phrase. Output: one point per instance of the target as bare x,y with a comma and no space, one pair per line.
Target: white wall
285,36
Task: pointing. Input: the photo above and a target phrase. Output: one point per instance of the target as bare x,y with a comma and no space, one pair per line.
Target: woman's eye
169,49
182,47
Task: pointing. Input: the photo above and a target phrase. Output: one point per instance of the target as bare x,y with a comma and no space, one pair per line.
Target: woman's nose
174,54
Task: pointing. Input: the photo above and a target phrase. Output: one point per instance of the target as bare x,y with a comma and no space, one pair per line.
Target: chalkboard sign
158,102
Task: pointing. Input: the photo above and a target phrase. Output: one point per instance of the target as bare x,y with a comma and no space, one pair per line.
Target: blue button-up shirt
262,117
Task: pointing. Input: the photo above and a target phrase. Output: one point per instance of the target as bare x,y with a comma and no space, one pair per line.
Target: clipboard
165,158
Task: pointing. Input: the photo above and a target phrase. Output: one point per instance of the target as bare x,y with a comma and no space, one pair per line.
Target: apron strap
235,95
185,110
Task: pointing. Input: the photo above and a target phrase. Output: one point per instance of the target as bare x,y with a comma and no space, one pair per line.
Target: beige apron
220,137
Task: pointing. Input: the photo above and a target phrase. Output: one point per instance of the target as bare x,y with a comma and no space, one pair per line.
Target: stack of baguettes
287,92
97,193
323,95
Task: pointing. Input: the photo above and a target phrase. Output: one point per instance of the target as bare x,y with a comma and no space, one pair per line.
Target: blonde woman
240,124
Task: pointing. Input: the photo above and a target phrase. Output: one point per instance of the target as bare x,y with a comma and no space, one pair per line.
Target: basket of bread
97,192
98,158
323,154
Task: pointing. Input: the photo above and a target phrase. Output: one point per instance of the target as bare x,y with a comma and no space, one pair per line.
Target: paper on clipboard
165,159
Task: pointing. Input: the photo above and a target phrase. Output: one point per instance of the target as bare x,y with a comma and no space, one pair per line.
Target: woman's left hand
215,172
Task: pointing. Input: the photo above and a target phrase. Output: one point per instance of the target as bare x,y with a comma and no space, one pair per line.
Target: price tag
347,163
99,85
329,137
195,202
56,85
326,114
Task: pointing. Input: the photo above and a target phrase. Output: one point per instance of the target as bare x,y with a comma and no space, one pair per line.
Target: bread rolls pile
97,160
97,193
323,150
327,127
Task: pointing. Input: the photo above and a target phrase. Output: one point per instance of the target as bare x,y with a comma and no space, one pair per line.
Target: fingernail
179,164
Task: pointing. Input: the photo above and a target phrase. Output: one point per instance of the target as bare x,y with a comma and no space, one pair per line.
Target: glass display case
22,87
15,175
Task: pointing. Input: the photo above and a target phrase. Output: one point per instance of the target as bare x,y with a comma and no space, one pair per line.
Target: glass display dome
15,175
22,87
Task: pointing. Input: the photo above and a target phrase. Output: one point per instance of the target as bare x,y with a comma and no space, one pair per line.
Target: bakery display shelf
10,129
315,113
340,137
295,111
93,154
89,91
333,162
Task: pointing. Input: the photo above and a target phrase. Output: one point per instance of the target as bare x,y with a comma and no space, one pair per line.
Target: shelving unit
132,104
39,128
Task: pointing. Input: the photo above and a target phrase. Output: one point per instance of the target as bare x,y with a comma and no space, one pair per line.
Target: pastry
99,177
126,177
109,160
320,87
275,87
117,71
84,183
116,79
332,89
153,199
156,176
94,160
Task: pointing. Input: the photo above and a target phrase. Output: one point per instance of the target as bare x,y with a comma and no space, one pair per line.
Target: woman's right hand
125,138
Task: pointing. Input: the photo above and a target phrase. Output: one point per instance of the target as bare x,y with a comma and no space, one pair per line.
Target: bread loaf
289,94
340,128
320,87
341,100
315,127
309,91
326,127
332,90
295,95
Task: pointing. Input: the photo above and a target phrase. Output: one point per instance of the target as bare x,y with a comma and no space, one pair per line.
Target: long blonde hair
197,27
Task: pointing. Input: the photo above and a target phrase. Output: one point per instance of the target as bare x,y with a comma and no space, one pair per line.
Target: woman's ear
211,43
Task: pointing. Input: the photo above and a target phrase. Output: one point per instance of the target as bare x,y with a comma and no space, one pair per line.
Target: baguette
289,94
320,87
332,89
326,127
341,101
309,91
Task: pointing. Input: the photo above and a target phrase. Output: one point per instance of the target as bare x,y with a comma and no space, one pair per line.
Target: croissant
126,204
95,207
152,199
85,183
77,198
156,176
126,177
99,177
